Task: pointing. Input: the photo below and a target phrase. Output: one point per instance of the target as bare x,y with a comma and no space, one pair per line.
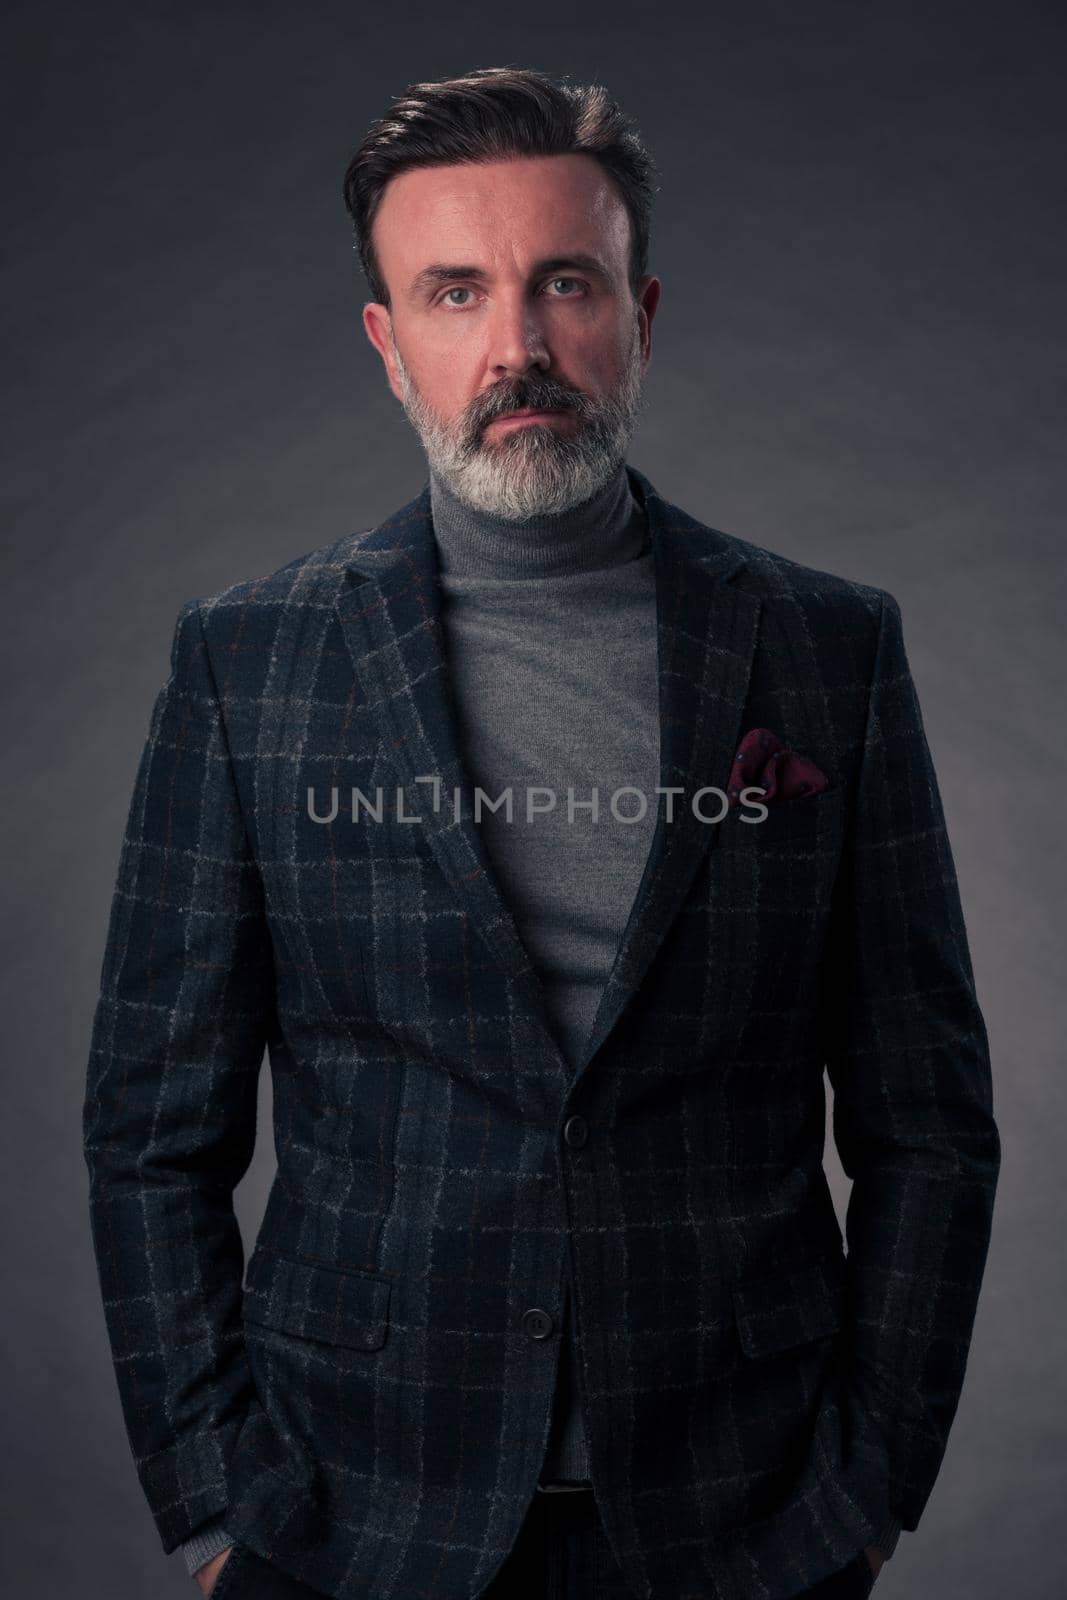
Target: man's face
510,291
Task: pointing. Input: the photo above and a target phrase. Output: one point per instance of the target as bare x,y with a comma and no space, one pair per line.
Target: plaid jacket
369,1407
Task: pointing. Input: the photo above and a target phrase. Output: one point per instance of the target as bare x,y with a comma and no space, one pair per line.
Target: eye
572,291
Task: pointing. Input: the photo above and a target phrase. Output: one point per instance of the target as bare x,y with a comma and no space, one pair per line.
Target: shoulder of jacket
769,575
302,581
774,574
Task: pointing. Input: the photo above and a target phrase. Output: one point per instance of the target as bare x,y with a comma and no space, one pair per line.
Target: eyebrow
443,272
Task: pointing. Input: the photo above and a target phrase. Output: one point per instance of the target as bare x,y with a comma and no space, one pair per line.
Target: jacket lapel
706,638
390,611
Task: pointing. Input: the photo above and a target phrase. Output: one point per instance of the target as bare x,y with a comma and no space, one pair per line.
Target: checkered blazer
368,1403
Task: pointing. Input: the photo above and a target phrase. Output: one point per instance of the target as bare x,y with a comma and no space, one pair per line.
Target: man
549,1296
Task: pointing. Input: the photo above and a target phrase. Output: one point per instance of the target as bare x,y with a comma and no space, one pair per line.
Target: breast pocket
767,889
782,867
806,821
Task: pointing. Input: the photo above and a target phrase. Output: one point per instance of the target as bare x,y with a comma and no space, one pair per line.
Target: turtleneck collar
603,531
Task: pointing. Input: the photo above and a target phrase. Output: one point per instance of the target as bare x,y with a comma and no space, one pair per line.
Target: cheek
443,364
607,353
442,378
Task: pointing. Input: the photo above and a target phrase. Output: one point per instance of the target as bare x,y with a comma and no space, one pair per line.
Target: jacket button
537,1323
576,1131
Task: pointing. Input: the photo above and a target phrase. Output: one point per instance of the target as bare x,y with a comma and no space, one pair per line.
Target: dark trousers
561,1553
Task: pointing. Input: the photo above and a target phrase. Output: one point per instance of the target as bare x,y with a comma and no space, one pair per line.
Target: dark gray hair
493,114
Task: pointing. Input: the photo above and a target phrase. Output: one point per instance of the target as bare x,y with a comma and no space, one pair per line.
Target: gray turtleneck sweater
550,633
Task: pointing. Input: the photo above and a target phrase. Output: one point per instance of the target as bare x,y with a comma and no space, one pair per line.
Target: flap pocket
791,1307
313,1301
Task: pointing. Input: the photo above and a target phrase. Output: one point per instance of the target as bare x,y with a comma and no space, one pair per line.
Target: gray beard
536,471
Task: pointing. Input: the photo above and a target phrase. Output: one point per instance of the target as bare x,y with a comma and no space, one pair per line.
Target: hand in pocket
875,1558
208,1575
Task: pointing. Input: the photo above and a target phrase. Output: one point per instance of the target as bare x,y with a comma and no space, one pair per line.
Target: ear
648,290
377,324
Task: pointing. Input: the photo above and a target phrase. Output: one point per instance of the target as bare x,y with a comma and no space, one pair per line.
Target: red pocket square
764,762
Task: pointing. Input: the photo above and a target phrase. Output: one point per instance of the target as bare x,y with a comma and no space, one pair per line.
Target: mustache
516,394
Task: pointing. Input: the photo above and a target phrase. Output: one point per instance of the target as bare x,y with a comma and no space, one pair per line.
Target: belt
565,1487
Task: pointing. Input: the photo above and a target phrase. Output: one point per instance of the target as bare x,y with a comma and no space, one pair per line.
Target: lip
527,414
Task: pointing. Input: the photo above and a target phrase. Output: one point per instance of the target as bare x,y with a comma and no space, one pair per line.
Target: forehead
541,205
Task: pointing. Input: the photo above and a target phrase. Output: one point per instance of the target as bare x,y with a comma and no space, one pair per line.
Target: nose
517,343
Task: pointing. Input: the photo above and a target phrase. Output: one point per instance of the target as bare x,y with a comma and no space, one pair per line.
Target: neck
604,530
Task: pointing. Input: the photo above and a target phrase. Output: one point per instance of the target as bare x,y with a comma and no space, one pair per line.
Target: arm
907,1056
169,1115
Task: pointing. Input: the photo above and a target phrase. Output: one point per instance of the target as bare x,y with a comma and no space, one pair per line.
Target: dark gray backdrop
858,361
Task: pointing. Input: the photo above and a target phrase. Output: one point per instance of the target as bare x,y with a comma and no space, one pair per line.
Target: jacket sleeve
908,1058
169,1113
